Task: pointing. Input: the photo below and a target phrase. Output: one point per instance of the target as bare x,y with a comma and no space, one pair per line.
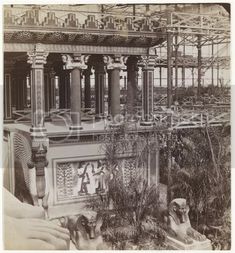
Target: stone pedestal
174,244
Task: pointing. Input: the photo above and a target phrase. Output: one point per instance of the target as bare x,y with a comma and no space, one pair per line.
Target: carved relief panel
75,180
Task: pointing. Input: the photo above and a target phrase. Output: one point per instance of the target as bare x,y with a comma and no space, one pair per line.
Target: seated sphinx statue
178,223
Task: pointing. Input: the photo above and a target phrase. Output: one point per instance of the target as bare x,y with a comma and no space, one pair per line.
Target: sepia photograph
116,126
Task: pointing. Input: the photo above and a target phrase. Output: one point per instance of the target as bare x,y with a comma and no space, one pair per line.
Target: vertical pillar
7,96
212,63
109,91
183,67
47,92
147,63
160,76
52,90
19,86
132,81
169,102
169,69
192,71
87,92
37,59
99,89
75,63
39,187
64,89
115,64
176,66
218,79
199,48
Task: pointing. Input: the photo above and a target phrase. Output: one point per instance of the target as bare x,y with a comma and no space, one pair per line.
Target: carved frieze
128,24
55,37
23,36
109,23
147,25
51,20
71,21
91,22
30,18
8,17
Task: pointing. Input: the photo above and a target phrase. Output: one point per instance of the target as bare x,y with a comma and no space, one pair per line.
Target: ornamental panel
76,179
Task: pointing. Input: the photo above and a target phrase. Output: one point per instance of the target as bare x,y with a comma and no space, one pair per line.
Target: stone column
109,91
52,90
99,89
64,89
87,92
147,63
20,75
75,63
115,64
7,90
132,82
37,59
39,187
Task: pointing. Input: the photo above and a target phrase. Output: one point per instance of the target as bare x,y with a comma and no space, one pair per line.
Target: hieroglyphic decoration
77,179
64,180
75,61
80,178
116,61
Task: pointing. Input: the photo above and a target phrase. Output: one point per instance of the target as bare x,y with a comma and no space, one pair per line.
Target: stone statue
178,223
84,230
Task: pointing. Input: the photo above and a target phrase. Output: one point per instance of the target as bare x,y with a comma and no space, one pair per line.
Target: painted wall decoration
76,179
80,178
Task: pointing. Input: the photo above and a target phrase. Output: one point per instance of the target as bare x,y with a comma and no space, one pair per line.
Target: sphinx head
179,209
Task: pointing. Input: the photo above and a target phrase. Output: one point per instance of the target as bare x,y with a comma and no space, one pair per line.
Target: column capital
37,58
115,62
147,62
75,61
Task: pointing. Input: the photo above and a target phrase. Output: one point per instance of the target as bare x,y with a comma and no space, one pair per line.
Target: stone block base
196,245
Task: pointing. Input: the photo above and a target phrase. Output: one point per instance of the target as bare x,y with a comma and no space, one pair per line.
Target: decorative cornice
37,58
75,61
115,62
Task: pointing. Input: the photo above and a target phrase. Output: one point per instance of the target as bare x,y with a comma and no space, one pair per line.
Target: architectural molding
37,58
76,61
115,62
83,49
